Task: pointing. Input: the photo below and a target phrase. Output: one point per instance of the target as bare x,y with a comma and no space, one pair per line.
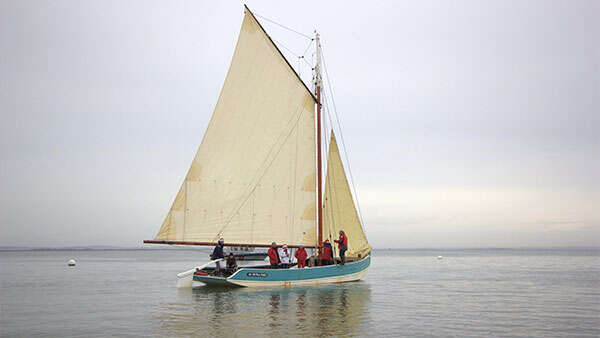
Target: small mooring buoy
71,262
440,257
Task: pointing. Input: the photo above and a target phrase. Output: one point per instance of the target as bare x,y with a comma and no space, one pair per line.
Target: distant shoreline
161,247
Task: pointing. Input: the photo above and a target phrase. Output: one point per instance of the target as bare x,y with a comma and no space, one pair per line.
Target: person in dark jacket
327,253
273,256
231,263
218,253
342,245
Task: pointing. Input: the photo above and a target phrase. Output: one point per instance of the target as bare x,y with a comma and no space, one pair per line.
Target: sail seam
294,184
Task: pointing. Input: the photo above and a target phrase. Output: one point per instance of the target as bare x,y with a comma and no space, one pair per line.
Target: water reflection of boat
315,311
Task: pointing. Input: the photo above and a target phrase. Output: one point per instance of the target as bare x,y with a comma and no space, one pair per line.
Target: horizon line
184,247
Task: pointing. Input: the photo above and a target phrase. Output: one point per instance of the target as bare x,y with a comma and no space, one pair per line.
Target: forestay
339,211
253,177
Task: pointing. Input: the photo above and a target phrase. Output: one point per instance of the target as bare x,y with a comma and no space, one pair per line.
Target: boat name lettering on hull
256,274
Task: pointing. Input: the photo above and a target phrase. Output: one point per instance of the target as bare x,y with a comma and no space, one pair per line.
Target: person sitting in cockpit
231,264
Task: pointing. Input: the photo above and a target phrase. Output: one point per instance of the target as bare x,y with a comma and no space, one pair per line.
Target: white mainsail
339,211
253,178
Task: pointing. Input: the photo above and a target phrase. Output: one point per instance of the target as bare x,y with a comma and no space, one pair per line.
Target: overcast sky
468,123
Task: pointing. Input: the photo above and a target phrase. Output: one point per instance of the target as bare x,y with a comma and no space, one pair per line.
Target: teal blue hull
288,277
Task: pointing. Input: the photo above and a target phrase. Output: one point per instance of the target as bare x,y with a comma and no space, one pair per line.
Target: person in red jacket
327,253
273,256
342,245
301,257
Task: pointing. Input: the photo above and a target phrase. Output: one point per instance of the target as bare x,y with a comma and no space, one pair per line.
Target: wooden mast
319,164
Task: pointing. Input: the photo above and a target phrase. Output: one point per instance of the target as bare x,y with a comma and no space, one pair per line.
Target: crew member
327,253
273,256
301,257
231,263
218,253
342,245
284,255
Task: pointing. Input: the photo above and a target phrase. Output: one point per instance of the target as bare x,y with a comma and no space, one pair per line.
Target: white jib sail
339,212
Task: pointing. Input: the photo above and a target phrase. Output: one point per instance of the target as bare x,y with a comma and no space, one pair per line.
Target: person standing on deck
284,255
273,256
342,245
301,257
327,253
218,253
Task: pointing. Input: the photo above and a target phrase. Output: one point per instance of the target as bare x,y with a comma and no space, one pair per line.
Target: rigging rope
286,48
282,26
333,196
306,50
342,138
300,57
292,30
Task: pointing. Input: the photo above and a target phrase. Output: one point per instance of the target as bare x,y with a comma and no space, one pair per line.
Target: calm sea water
469,293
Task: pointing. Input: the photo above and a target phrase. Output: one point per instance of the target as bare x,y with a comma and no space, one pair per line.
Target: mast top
318,77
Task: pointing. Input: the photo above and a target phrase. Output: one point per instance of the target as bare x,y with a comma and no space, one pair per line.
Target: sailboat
257,175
